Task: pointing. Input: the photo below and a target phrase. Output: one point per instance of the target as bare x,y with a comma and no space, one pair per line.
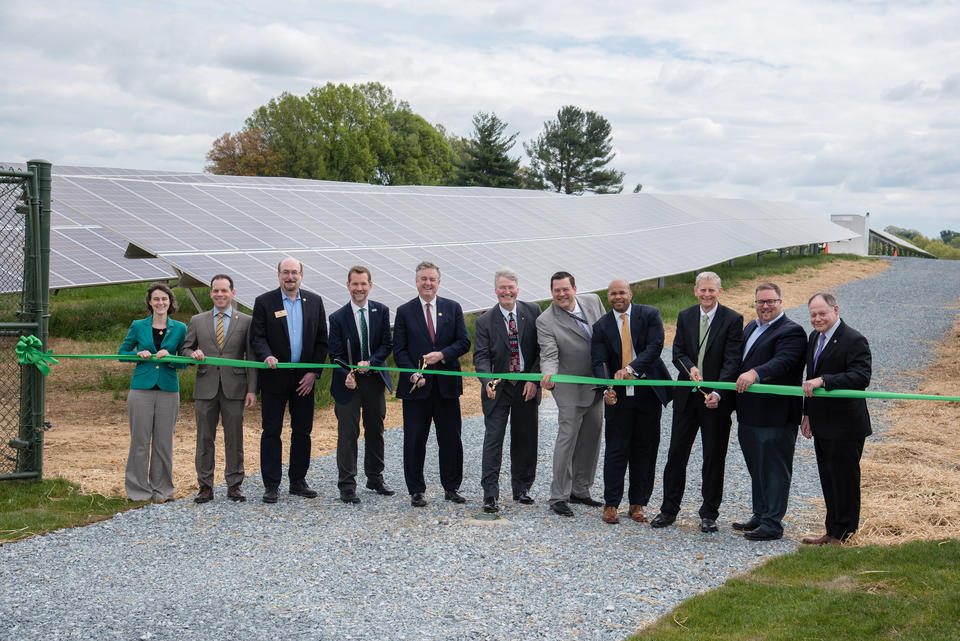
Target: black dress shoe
523,497
663,520
490,505
270,495
708,525
585,500
746,526
380,488
304,490
417,500
453,495
205,495
349,496
561,508
761,534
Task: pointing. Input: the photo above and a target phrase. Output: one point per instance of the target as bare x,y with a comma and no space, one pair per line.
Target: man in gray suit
564,333
220,393
505,340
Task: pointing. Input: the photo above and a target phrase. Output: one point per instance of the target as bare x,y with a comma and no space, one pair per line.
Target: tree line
947,246
362,133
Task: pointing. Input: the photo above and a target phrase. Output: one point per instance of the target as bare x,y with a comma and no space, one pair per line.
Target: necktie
220,316
514,343
430,330
626,349
820,343
582,324
704,330
364,345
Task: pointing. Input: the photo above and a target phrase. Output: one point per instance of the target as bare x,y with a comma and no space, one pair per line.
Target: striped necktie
220,316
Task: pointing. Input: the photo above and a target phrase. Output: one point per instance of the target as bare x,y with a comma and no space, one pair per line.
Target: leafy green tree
486,162
571,154
947,236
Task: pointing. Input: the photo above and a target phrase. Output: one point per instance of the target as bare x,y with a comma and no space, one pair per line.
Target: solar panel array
203,224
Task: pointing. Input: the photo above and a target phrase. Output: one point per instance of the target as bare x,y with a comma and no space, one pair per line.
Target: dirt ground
90,436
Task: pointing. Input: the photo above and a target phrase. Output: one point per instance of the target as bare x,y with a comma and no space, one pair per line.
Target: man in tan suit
221,393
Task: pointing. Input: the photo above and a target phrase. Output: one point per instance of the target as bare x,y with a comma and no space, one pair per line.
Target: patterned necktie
220,316
430,330
582,323
364,345
704,330
626,349
514,343
820,343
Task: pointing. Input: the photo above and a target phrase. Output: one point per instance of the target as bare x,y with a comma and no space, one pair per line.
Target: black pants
417,415
523,440
367,401
714,428
768,453
301,424
838,462
632,433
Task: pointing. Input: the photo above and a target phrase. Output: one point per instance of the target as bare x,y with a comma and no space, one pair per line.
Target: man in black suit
706,348
505,340
360,337
627,341
838,357
429,334
289,325
773,353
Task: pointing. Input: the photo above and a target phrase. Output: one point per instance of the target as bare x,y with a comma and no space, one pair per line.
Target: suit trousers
208,413
838,462
633,436
577,450
417,415
149,474
301,425
367,401
523,440
768,453
714,428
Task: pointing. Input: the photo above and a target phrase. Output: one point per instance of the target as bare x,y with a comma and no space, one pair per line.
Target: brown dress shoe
636,513
205,495
820,540
610,515
234,493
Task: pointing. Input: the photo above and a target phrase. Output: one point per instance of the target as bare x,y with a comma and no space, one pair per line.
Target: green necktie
364,345
704,330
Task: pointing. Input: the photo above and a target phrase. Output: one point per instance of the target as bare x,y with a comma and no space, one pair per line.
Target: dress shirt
433,311
506,323
633,353
356,321
828,335
761,327
710,316
226,320
294,309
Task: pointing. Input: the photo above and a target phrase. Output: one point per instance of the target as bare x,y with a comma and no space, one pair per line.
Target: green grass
28,508
903,592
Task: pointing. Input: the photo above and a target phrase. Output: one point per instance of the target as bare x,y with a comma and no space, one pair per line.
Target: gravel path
383,570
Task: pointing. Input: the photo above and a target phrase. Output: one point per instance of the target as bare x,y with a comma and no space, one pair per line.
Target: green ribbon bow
29,353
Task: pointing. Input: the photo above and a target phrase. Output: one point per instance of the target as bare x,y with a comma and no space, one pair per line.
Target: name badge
280,314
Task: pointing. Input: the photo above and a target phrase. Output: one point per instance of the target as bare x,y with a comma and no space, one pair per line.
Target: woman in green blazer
154,398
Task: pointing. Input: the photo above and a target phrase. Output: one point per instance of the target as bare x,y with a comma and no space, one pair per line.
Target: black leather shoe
453,495
663,520
708,525
349,496
561,508
746,526
523,497
417,500
205,495
304,490
270,495
380,488
585,500
761,534
490,505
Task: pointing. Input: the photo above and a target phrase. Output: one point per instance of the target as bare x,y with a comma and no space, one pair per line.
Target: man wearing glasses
773,354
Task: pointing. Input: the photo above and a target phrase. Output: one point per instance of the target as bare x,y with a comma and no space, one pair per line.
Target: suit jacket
269,337
777,356
236,382
411,341
721,361
343,332
565,350
845,363
491,347
147,374
646,334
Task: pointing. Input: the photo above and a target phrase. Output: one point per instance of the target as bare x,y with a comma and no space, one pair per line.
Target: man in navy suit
838,357
289,325
706,347
360,337
773,354
429,334
627,341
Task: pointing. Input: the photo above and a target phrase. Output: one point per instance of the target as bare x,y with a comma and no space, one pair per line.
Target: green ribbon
28,352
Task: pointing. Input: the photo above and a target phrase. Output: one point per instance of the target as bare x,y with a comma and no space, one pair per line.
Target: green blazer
149,373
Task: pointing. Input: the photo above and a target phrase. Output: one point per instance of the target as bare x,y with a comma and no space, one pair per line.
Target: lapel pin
439,313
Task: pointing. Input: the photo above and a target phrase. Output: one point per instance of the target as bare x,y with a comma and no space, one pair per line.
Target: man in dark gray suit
221,393
564,331
505,341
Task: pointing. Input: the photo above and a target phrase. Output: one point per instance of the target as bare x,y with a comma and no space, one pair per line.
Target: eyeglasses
771,301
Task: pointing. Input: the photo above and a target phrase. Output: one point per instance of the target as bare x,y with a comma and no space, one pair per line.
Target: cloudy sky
843,107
